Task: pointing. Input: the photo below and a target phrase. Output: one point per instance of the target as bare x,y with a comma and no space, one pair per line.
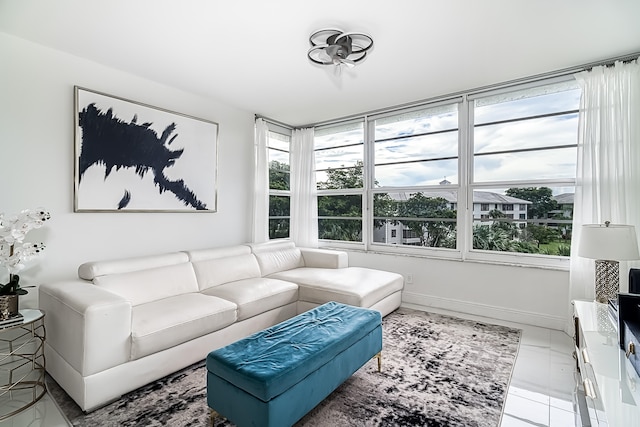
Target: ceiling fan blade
324,56
337,70
349,63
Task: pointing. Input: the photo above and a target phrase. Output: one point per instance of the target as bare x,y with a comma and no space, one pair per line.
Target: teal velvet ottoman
274,377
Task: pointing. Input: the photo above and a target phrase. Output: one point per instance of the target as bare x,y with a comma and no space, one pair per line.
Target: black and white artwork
132,157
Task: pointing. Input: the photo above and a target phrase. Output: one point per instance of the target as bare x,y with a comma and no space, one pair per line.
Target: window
417,148
279,188
525,140
487,175
416,175
339,153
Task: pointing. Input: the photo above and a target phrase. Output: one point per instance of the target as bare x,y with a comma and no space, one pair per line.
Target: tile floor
542,388
541,392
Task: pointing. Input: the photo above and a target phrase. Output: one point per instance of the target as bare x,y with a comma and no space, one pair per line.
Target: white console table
610,384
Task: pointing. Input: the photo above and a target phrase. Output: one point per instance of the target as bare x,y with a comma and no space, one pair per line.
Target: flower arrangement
14,252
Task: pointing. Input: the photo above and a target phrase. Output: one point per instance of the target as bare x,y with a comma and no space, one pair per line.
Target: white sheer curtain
608,175
304,202
260,230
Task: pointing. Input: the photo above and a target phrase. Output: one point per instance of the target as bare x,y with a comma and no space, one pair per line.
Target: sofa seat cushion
361,287
255,296
165,323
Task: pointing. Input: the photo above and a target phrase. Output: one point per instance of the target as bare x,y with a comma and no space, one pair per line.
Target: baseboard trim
426,302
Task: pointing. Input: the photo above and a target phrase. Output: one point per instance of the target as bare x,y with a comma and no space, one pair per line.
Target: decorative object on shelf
331,46
8,306
14,252
10,319
608,243
132,157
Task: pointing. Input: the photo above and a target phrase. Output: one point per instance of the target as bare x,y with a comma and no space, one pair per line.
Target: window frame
347,191
465,187
281,130
541,260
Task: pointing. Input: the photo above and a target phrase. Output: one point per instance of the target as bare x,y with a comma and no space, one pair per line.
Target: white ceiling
252,54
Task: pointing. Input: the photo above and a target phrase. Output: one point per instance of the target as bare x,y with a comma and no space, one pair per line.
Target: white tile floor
540,394
542,388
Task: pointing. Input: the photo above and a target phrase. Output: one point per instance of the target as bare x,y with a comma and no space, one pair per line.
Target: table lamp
608,243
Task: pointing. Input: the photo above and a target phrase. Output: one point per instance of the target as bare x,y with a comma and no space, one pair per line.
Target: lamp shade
608,242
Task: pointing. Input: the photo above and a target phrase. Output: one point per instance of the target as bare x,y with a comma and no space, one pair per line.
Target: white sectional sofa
128,322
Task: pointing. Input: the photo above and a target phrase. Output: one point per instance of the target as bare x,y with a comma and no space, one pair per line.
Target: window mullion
465,236
368,183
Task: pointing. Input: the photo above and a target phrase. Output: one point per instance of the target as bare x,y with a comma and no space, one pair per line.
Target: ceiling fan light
331,46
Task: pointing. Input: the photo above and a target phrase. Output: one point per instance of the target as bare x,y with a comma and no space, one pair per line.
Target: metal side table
22,367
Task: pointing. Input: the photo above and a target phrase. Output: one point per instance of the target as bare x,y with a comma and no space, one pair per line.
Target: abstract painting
133,157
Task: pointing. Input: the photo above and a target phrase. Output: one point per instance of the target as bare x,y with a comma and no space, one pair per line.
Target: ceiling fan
331,46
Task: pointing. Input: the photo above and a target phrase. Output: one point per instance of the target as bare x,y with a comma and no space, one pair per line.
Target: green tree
341,205
344,177
279,206
347,205
503,236
432,233
500,222
279,174
384,207
489,238
541,198
543,234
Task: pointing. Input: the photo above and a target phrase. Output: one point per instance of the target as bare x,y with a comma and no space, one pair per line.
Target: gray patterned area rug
436,371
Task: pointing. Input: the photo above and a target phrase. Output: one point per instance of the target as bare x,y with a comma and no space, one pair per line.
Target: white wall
529,295
37,158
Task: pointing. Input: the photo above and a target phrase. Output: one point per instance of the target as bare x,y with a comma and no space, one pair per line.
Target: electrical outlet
409,278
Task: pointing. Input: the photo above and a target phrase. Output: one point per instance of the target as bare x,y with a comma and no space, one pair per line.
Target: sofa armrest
324,258
88,326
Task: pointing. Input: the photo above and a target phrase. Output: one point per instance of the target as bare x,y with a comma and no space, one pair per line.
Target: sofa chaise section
324,275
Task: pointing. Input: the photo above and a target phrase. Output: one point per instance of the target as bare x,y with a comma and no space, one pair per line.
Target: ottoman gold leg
212,417
379,357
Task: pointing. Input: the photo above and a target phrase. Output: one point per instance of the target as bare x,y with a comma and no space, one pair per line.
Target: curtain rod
274,122
558,73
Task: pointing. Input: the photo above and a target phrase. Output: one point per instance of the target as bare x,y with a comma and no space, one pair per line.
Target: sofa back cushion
277,256
152,284
213,253
91,270
218,271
